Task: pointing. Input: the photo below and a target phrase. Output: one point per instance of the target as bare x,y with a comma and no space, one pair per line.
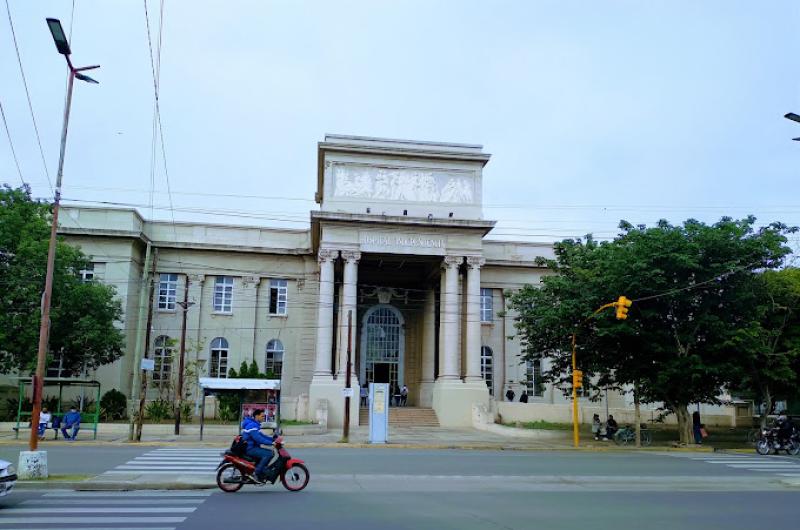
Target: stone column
451,313
322,365
428,349
349,299
473,346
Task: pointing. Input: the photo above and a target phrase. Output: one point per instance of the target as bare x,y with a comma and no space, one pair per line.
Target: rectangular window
486,305
223,294
167,291
278,296
219,364
533,378
87,274
55,369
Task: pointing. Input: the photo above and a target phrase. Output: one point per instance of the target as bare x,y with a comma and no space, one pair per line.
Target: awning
213,383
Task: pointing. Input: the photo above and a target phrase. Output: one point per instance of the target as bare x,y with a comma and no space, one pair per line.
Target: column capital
327,254
248,281
452,261
351,256
476,262
196,278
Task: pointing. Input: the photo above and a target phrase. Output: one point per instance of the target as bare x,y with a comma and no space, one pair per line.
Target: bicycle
627,435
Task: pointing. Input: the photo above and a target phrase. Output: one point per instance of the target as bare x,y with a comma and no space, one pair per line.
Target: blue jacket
251,432
71,419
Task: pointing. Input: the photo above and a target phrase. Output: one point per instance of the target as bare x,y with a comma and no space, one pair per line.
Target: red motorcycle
238,469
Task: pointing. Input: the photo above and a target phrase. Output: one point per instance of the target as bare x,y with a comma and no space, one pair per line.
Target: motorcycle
238,469
769,440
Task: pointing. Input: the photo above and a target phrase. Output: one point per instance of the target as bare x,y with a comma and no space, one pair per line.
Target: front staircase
404,417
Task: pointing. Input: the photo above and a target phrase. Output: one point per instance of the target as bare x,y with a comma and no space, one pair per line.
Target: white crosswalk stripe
775,464
172,460
101,510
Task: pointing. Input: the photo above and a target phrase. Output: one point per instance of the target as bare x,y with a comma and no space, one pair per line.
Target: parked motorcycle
238,469
769,441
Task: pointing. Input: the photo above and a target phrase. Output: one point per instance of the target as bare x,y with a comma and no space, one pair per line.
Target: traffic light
622,307
577,378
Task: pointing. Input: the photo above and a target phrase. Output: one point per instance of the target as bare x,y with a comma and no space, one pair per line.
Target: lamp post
62,45
794,117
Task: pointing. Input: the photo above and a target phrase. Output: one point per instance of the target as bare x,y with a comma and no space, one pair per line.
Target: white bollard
32,465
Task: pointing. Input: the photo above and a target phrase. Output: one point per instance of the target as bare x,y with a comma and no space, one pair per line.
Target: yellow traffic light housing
577,378
622,306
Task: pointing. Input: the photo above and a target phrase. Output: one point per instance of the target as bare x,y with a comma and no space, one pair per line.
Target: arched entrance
382,345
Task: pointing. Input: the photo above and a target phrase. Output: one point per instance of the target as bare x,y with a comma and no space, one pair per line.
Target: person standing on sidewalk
404,396
696,427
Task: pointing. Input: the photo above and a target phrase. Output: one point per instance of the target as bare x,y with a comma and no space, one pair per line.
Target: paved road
275,508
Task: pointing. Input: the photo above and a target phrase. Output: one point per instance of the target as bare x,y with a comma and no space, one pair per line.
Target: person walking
404,396
697,428
364,394
523,398
509,394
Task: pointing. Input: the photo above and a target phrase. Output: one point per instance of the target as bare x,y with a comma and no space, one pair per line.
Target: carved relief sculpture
402,184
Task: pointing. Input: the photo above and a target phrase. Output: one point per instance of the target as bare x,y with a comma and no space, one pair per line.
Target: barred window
486,367
87,274
274,359
219,358
163,351
486,305
278,297
223,294
534,386
167,291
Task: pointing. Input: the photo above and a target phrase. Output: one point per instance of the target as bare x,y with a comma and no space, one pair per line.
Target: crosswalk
172,461
110,510
782,466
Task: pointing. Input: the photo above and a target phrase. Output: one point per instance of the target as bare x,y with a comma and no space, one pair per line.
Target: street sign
347,392
148,364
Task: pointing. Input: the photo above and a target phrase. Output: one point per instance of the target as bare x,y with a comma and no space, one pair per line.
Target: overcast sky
593,111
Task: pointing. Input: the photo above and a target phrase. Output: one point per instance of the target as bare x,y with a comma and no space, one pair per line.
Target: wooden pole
143,377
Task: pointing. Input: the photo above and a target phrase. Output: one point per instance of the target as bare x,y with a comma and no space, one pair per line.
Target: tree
83,313
689,283
771,342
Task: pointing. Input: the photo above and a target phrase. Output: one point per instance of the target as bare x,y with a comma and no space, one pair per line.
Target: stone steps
405,417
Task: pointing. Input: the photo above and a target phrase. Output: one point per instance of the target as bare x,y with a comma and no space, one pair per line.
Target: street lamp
794,117
62,45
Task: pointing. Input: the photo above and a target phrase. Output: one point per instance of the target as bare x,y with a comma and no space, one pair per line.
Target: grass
541,424
67,478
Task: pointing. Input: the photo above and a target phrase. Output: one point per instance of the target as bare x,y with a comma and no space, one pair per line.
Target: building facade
398,247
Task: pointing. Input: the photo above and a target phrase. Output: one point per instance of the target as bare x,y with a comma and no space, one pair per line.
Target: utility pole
346,426
185,305
143,376
62,45
144,290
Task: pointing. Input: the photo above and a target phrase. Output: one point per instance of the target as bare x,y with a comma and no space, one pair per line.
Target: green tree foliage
82,314
113,405
771,342
693,289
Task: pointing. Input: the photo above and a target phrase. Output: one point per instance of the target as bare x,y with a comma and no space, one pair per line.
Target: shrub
187,411
88,404
158,409
113,405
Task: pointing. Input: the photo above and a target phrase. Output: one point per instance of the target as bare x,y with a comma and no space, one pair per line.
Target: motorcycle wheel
295,478
229,472
793,448
621,438
763,446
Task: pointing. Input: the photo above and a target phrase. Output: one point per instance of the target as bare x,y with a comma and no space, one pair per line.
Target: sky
593,111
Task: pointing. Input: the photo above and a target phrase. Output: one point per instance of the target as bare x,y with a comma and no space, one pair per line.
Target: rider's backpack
239,446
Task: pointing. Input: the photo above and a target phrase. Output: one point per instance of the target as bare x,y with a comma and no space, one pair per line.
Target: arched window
486,367
163,352
274,359
219,358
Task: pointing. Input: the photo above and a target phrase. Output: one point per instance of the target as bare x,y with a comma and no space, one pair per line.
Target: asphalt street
405,489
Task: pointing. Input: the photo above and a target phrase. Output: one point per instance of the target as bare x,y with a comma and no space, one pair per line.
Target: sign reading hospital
403,243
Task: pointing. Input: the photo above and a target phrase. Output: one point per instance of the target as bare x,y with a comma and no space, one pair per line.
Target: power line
28,94
11,144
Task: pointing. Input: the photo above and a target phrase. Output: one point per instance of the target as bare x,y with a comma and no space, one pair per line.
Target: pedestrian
697,428
44,419
509,394
72,420
523,398
396,395
596,426
364,394
611,427
404,396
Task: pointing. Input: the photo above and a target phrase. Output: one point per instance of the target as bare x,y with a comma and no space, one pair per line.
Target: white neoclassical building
398,243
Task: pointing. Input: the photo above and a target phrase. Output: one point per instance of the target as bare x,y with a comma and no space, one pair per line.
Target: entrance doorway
382,346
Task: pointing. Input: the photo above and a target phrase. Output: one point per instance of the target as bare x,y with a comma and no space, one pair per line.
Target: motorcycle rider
785,429
251,433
